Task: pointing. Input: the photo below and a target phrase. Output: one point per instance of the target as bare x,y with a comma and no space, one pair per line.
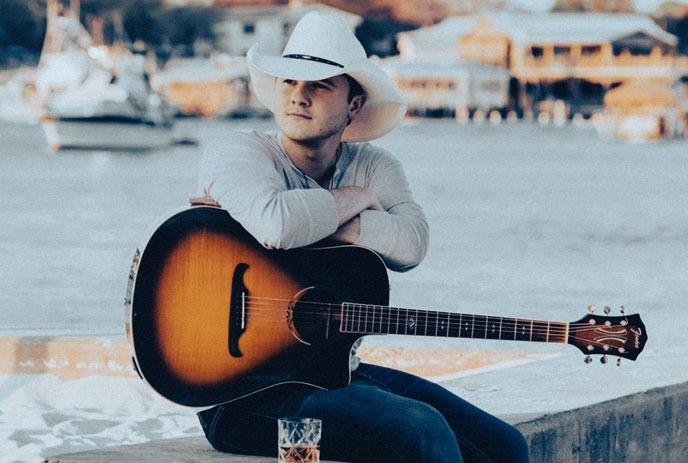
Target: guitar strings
359,306
481,322
381,319
377,315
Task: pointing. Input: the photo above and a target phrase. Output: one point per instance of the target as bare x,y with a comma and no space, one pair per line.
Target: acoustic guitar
213,316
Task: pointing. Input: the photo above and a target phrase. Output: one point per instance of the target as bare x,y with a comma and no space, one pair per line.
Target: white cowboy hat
323,46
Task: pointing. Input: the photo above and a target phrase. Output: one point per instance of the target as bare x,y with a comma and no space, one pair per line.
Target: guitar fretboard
376,319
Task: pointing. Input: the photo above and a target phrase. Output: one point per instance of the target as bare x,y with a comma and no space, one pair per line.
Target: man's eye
288,81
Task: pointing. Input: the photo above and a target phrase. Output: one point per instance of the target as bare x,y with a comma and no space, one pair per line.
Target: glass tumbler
298,440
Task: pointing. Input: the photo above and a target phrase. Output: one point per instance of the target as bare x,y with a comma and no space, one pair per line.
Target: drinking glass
298,440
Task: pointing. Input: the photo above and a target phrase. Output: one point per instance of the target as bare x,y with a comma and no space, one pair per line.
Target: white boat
94,98
17,91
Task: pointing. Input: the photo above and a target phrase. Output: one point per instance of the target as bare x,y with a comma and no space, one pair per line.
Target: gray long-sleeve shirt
252,177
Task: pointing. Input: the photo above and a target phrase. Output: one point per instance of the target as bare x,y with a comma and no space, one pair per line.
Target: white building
448,86
244,26
438,41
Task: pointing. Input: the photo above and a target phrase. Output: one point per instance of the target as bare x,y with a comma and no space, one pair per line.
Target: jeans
384,415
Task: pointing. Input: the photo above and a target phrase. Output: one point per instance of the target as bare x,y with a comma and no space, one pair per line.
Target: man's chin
297,134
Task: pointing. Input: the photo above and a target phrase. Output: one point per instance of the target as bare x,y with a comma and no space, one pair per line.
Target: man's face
314,110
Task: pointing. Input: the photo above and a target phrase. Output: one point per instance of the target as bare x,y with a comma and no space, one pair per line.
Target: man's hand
351,201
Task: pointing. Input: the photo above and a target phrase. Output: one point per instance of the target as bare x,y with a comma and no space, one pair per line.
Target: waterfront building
574,57
220,85
449,87
245,25
436,42
207,87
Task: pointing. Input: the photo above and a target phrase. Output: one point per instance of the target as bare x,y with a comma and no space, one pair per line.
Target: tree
679,27
18,26
141,21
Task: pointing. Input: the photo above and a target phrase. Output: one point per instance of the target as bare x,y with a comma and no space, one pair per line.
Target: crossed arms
253,184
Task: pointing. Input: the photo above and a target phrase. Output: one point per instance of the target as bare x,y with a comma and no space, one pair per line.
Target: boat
94,97
203,87
17,91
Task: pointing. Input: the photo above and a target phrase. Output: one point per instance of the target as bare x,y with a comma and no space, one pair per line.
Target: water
525,221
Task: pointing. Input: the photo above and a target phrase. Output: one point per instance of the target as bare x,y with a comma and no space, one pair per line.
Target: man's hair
354,88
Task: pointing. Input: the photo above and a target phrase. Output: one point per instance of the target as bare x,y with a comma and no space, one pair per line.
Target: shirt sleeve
239,173
399,234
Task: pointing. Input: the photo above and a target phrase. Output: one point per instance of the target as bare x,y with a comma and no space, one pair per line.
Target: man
311,181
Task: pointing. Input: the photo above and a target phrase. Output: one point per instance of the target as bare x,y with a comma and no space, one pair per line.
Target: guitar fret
372,320
348,320
515,327
398,310
415,326
531,330
360,314
382,310
547,337
426,322
371,330
472,325
501,319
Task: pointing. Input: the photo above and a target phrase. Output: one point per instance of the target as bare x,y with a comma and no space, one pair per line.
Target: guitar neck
376,319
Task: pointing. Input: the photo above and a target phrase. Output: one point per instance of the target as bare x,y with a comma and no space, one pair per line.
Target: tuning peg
622,309
591,308
618,362
588,359
607,309
604,359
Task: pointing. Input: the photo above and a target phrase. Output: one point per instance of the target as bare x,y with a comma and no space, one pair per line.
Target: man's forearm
349,232
351,201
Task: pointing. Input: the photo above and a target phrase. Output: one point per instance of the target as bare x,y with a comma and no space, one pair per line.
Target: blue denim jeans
384,415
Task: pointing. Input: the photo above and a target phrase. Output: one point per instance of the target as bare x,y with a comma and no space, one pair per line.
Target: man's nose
300,95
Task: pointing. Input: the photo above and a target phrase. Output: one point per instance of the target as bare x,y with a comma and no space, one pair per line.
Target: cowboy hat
323,46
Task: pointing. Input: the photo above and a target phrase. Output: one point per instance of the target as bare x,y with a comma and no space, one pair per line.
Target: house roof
534,28
439,39
584,28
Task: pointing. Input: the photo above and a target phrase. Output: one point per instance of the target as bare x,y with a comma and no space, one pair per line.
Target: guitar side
214,316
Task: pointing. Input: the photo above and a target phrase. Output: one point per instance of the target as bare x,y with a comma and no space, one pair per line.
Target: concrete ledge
184,450
642,427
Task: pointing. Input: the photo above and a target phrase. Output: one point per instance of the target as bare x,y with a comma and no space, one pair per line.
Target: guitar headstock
621,336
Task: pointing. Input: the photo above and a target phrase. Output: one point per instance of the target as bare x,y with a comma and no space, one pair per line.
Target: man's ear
356,105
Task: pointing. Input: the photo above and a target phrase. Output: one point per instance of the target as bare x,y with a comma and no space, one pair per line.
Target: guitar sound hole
313,315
